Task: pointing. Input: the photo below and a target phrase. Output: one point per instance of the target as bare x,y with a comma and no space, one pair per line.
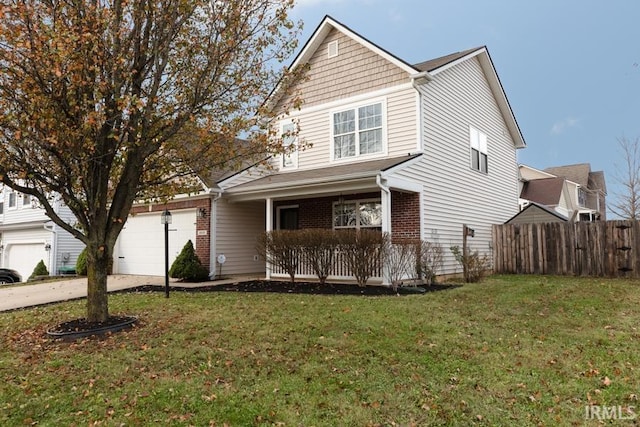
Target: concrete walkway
13,297
22,296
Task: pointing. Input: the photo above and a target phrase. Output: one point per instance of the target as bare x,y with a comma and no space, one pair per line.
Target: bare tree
626,203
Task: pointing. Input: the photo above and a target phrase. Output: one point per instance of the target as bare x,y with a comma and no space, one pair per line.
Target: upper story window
12,199
358,131
289,143
26,200
357,214
478,144
582,197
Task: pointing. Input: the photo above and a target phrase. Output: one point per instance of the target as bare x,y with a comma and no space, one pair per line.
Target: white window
357,214
289,143
478,142
26,200
358,131
13,197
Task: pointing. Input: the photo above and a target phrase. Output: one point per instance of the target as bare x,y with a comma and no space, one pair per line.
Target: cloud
564,124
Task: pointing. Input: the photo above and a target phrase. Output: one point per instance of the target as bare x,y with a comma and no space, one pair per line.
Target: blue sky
570,68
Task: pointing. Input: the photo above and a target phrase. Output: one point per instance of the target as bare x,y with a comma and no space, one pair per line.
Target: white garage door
141,242
25,257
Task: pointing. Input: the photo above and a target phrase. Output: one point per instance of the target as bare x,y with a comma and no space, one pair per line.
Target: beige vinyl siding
356,70
401,126
237,227
456,99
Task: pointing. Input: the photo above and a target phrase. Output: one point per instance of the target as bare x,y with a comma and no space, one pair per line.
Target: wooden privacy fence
603,248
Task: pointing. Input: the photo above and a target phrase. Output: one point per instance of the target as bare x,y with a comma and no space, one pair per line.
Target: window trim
30,198
357,203
478,143
294,154
355,107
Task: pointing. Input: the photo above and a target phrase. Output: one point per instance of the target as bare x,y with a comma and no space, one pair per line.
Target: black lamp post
165,218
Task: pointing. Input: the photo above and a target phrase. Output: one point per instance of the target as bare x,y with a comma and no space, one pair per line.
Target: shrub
187,266
430,257
281,248
475,267
401,261
364,252
81,263
318,250
40,270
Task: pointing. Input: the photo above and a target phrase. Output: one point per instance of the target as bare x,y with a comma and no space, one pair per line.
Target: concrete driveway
14,297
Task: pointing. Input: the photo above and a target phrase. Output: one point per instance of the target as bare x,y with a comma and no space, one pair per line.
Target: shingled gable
421,72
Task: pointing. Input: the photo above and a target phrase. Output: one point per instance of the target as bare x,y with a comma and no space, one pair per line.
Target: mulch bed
300,288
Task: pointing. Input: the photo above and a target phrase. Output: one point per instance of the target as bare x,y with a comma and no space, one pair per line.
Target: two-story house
574,191
415,150
27,235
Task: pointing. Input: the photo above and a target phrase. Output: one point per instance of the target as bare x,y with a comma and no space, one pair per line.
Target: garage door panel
25,257
141,242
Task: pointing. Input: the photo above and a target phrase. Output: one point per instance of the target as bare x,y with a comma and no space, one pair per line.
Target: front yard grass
513,350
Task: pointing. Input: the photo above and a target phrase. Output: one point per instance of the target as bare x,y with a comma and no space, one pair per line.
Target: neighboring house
27,235
572,191
414,150
534,213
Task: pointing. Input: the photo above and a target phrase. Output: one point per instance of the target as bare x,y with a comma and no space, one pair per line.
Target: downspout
417,80
386,219
213,262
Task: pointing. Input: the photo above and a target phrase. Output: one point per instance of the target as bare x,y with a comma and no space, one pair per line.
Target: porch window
289,143
478,142
358,131
357,214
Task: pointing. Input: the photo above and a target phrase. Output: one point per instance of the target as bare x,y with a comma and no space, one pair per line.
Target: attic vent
333,49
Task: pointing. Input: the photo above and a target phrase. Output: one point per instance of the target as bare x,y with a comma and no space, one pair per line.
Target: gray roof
332,173
581,174
436,63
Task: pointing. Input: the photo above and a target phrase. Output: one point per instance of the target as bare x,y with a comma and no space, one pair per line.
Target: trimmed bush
401,261
281,248
187,266
40,270
364,252
318,249
81,263
430,257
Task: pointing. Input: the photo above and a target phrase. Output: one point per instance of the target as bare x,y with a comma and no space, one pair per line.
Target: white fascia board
396,183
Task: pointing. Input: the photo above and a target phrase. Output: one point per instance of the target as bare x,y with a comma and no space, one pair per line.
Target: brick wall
318,212
405,215
203,225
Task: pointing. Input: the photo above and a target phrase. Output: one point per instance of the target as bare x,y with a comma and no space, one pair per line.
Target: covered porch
368,195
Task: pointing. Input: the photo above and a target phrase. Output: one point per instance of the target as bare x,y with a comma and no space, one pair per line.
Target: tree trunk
98,266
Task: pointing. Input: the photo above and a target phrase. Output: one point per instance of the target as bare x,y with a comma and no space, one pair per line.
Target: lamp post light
165,218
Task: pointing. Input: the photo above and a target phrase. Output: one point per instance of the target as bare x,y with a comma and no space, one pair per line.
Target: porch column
385,199
268,228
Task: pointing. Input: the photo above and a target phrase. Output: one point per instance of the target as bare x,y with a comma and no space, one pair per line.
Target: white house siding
237,228
456,99
67,249
401,124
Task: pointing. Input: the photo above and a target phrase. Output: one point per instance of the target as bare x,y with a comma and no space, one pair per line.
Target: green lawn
513,350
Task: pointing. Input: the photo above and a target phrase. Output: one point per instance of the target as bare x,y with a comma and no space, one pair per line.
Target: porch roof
359,176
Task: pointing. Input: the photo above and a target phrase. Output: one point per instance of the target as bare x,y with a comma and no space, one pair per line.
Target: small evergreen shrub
81,263
40,270
187,266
